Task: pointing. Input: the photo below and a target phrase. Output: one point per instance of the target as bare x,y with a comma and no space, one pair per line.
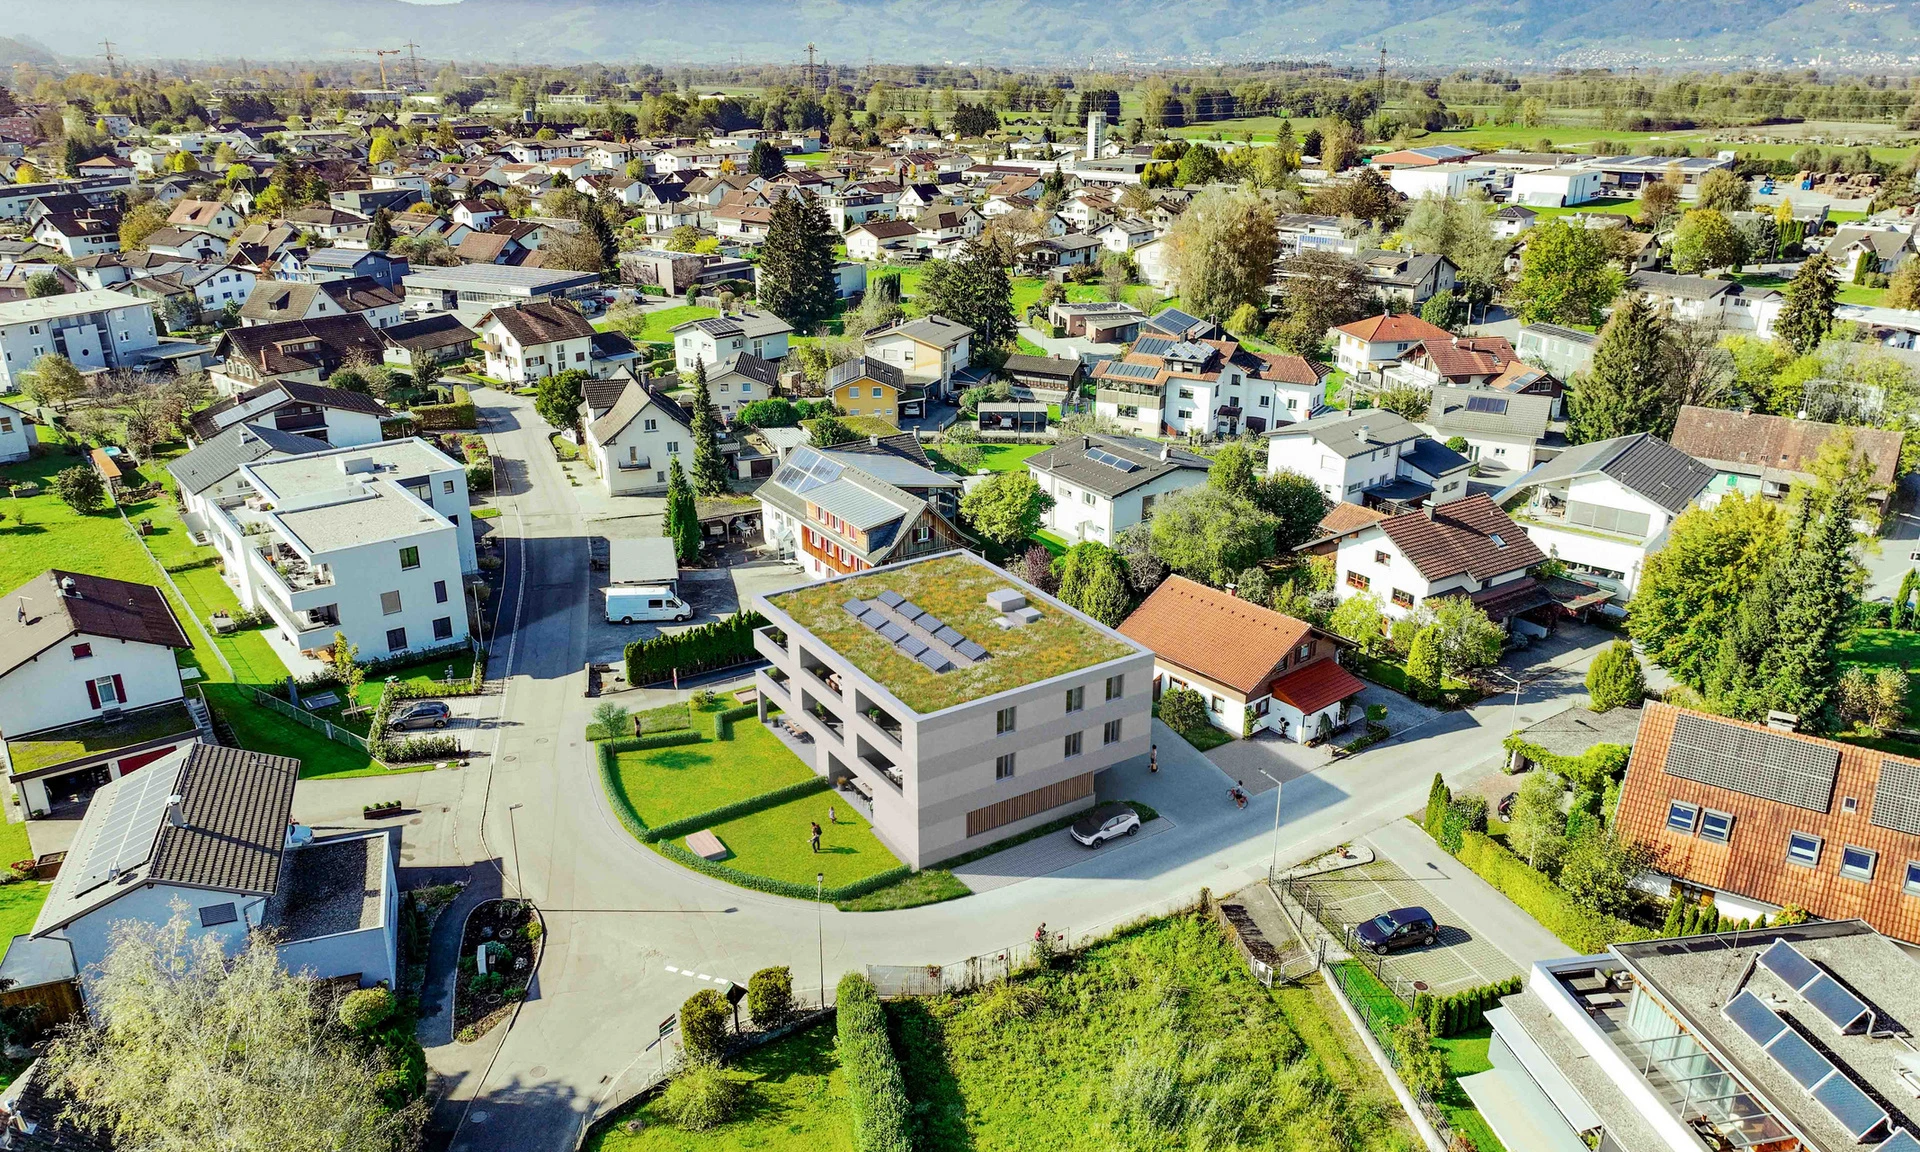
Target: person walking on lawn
815,838
831,818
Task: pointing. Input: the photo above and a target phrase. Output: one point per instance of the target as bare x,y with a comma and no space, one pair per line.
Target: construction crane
113,71
382,54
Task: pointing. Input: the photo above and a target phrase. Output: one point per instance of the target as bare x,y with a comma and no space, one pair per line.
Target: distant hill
1431,32
23,50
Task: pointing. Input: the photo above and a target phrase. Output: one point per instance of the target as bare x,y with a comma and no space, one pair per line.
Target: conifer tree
683,519
1621,393
1808,315
796,264
709,468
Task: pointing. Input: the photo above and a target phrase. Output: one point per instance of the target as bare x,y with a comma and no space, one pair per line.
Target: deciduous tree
1690,590
1093,579
1223,249
1320,291
1706,239
1614,679
1007,508
80,488
1567,275
558,398
975,290
1207,535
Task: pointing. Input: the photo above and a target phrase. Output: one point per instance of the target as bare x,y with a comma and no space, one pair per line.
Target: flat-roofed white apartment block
962,707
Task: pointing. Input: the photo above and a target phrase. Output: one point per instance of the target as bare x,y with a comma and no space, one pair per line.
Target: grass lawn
1861,295
931,886
1875,648
667,784
1604,206
1205,740
1465,1054
1336,381
773,842
659,323
997,457
19,902
795,1101
264,730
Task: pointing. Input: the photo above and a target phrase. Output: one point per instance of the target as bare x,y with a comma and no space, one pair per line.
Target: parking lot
711,593
1461,959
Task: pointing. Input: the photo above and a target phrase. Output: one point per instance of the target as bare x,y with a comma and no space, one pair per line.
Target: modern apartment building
101,328
370,541
960,706
1786,1039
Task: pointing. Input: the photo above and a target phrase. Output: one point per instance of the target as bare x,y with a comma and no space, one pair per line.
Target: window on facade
1681,817
1856,863
443,628
389,603
409,558
82,651
1086,498
1111,733
673,447
1003,722
1402,599
1186,413
439,591
108,689
1072,748
1803,848
1716,826
1380,557
396,639
651,426
1116,686
1357,580
1076,699
1216,704
1003,766
446,486
1186,393
1264,401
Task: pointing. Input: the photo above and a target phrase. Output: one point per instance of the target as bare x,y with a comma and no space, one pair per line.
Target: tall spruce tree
1801,671
683,519
1734,684
1620,393
380,232
1808,315
709,468
796,263
974,290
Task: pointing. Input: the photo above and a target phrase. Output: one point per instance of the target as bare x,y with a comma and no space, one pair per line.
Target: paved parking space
1048,854
1462,959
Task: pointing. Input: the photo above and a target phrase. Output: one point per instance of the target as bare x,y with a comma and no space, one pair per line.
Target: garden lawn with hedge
263,730
997,457
673,783
773,843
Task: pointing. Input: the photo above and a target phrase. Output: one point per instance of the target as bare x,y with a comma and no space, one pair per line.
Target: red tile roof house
1257,669
1467,548
1378,342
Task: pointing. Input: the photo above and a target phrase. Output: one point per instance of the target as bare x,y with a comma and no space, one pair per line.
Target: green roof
91,738
953,587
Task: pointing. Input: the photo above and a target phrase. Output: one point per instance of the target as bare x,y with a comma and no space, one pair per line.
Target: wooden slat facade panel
1029,803
1754,862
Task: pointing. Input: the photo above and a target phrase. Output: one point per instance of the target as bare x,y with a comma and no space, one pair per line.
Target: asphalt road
629,935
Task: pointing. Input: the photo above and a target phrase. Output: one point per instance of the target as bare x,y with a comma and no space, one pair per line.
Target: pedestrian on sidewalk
1153,758
815,838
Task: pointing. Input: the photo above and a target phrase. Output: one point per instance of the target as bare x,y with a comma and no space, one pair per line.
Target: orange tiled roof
1214,633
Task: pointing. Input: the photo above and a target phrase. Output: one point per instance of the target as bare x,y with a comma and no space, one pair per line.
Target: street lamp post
1278,787
820,931
514,832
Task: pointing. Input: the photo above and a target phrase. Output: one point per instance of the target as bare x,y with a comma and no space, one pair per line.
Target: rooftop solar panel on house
1786,962
854,608
948,636
935,661
1896,797
909,610
1759,1022
1131,371
1799,1059
1756,762
1494,404
893,632
1841,1008
1101,456
1901,1141
970,650
1855,1111
890,598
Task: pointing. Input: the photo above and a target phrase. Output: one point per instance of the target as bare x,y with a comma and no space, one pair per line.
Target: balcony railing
883,769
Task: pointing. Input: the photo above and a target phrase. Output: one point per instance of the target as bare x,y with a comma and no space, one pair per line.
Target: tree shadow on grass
679,759
788,1077
939,1109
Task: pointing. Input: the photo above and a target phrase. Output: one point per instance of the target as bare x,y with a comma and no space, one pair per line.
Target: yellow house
864,386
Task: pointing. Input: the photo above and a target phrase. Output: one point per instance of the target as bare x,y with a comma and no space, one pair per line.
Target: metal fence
319,724
1372,1013
1296,893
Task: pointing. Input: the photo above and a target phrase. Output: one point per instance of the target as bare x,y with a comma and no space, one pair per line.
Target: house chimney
1166,452
1782,721
1429,506
68,588
874,441
174,815
1363,433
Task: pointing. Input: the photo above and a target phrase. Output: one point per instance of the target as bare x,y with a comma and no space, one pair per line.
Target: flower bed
512,931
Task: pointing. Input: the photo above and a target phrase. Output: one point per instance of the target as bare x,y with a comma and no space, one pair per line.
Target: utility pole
812,76
112,66
413,61
1383,75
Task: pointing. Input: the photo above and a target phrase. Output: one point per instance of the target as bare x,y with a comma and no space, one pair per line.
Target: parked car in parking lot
1104,823
421,714
1400,928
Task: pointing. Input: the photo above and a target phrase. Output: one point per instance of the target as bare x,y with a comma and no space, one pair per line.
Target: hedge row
676,852
737,809
1461,1011
430,689
1595,766
413,749
723,723
459,414
876,1091
191,565
651,740
1586,932
720,644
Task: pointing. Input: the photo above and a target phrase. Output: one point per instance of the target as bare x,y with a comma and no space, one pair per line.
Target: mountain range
1107,33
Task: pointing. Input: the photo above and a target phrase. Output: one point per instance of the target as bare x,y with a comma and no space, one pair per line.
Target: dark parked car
1400,928
421,714
1104,823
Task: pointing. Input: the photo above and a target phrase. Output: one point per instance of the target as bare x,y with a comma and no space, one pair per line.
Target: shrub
1473,811
80,488
459,414
1615,680
610,721
1584,931
724,722
1183,710
480,475
770,996
876,1092
701,1097
716,645
417,748
703,1026
363,1010
1423,665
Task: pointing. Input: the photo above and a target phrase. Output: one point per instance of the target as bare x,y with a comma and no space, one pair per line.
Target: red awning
1317,685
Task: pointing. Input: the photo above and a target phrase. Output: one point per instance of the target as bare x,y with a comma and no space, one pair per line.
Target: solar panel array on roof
1831,999
1131,371
854,608
1799,1059
1151,345
893,632
1751,761
1901,1141
1494,404
909,628
946,635
1102,456
909,609
1854,1109
1834,1089
931,623
935,661
970,650
1896,797
1759,1022
912,645
890,598
132,824
1786,962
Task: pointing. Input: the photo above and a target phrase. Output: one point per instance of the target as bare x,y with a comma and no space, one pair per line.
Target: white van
629,604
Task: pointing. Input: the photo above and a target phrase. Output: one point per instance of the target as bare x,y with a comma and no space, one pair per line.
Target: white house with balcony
371,541
536,339
632,432
101,328
718,338
1369,457
1603,508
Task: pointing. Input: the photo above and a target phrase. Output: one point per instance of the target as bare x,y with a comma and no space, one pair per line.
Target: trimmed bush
702,1097
720,644
1461,1011
876,1092
1614,679
459,414
414,749
1183,710
738,809
653,740
1585,932
723,723
363,1010
674,851
703,1026
770,996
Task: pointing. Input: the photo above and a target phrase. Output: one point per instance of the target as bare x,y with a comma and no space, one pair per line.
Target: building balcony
827,683
774,686
634,465
771,643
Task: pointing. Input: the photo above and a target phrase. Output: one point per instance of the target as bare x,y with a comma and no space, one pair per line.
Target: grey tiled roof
1643,463
1340,431
236,805
218,458
1074,460
1487,412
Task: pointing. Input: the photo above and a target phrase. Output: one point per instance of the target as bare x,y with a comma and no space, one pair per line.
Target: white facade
1565,528
102,328
1369,561
1340,476
17,437
1081,514
1446,181
51,690
1557,187
507,359
341,427
634,460
369,541
920,361
693,346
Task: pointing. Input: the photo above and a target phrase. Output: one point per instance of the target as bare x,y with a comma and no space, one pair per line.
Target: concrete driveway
1462,958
